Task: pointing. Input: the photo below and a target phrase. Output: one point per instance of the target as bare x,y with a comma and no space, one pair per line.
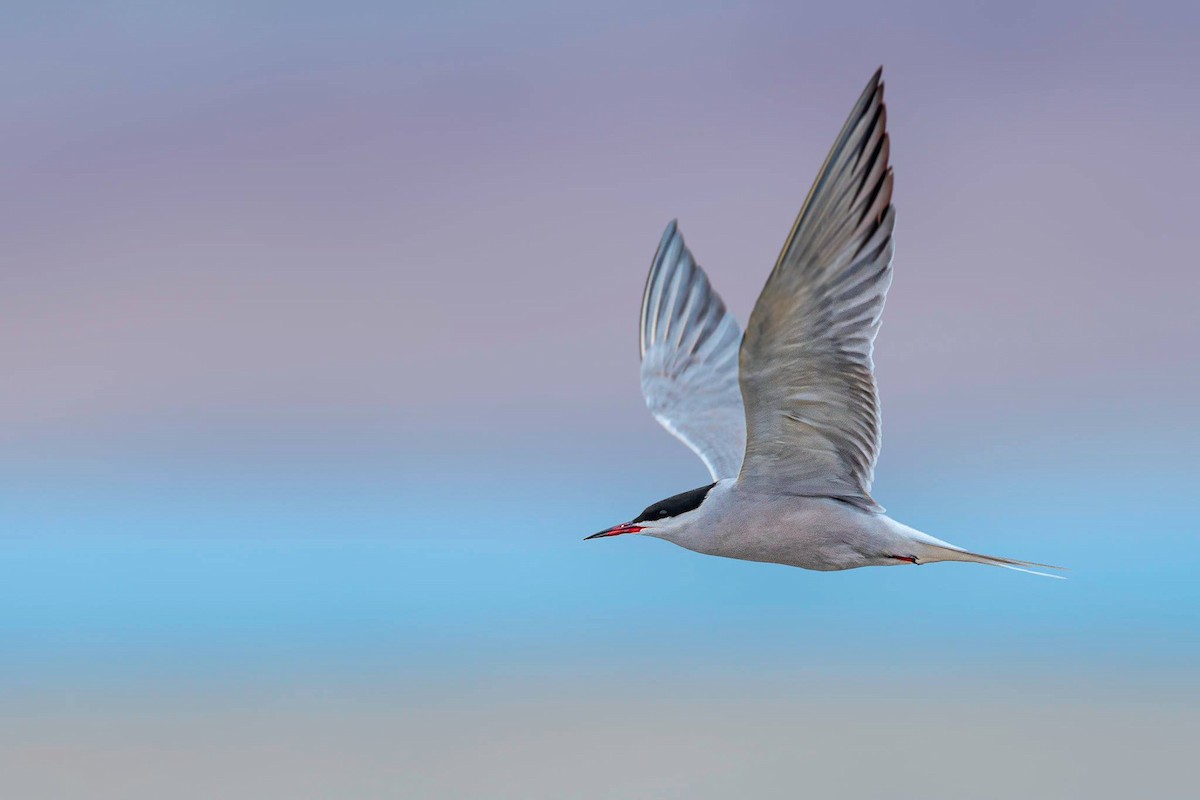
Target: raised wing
812,411
690,359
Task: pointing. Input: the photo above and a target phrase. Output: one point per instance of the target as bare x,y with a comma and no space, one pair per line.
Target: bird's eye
662,514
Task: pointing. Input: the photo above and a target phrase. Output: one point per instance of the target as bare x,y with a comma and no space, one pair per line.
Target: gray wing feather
812,410
689,347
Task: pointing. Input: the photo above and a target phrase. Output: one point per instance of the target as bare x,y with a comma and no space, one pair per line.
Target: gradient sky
318,329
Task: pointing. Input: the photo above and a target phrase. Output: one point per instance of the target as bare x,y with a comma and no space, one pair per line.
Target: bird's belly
822,535
807,551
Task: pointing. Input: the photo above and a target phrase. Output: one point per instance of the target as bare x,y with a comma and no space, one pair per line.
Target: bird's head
664,517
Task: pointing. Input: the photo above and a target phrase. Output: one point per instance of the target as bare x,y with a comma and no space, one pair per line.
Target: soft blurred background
318,322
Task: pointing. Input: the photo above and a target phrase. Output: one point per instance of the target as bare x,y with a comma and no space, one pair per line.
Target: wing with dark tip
689,348
812,410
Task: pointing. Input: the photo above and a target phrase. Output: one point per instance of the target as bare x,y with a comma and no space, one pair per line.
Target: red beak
616,530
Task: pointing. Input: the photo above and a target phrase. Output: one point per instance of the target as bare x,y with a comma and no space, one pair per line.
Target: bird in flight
786,415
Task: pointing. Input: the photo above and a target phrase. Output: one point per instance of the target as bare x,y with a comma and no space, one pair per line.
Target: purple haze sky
237,233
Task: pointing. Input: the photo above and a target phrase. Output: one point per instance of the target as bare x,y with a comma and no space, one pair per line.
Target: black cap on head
675,505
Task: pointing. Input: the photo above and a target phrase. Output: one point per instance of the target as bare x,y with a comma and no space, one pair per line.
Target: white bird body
786,417
818,533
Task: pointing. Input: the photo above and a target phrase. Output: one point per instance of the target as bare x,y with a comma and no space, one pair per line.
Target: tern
786,415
